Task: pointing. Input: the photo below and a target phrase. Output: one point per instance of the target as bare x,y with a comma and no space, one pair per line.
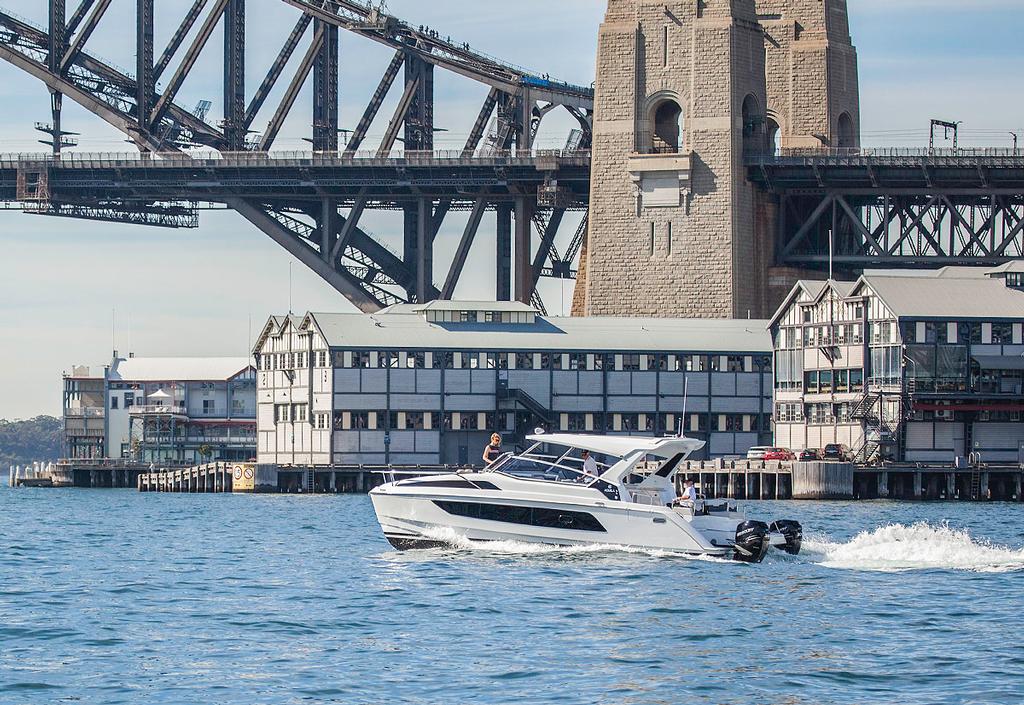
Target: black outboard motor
793,533
752,542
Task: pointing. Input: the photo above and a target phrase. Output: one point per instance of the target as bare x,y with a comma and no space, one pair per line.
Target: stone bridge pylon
686,89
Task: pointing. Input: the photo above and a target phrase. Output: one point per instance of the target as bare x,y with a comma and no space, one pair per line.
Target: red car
779,454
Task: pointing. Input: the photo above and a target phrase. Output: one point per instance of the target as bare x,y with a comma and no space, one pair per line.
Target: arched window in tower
754,136
846,135
773,137
668,127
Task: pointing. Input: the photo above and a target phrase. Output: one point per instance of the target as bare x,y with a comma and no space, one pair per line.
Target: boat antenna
682,420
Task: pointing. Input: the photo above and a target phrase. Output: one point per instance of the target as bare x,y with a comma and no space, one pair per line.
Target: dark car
836,451
809,454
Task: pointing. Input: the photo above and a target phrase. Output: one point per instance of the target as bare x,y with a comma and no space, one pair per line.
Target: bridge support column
325,91
234,75
424,251
524,264
503,269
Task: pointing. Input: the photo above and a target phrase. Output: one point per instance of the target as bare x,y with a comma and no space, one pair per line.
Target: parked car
779,454
808,455
757,452
836,451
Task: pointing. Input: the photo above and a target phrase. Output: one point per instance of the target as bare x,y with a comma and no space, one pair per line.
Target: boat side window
537,469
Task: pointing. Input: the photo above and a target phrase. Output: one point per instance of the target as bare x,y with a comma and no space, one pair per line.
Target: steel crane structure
310,204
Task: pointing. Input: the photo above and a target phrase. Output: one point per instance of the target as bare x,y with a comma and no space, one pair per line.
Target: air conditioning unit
985,416
944,415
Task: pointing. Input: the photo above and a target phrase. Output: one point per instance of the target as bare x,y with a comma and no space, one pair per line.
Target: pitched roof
183,369
947,296
400,328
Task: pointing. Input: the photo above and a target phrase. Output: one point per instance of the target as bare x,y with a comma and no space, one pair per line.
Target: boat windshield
551,469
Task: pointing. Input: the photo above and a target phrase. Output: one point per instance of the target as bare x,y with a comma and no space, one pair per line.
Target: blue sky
72,290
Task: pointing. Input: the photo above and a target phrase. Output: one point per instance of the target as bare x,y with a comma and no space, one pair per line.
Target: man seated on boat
689,493
589,464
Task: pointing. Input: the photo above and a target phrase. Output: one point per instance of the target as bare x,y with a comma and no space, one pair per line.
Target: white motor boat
543,496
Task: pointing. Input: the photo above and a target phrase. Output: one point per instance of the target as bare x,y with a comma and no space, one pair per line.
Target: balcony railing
158,410
84,413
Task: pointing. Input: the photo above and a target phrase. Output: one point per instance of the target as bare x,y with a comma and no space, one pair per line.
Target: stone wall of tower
811,71
708,57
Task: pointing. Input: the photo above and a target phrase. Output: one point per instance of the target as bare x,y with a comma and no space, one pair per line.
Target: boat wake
921,546
457,542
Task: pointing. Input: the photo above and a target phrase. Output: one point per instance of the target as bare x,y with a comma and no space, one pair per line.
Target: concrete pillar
984,492
883,485
950,485
917,485
1017,487
332,481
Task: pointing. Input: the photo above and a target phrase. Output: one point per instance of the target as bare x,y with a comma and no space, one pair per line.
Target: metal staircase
521,398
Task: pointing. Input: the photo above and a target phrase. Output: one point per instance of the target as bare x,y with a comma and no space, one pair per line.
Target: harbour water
119,597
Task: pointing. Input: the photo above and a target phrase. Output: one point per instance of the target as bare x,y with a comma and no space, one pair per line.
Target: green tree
26,441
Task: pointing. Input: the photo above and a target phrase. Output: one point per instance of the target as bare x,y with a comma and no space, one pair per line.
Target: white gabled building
910,366
427,384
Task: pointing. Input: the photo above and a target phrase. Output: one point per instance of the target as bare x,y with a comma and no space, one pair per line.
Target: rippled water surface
111,596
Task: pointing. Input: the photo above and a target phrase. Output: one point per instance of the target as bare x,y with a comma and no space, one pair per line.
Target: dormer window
467,316
1015,280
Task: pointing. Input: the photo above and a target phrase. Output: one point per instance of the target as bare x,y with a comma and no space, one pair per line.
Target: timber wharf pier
716,479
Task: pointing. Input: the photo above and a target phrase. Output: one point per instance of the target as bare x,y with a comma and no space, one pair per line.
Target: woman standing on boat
493,451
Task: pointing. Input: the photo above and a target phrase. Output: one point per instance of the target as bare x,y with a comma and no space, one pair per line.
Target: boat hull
413,521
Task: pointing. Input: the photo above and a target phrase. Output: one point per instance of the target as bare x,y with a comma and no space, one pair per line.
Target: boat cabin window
536,468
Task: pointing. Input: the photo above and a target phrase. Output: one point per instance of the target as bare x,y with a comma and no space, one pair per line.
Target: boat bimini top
629,450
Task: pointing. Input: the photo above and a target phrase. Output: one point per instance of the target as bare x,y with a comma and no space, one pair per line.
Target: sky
72,291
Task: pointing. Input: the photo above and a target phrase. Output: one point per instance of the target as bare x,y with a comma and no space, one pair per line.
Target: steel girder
363,270
924,229
894,208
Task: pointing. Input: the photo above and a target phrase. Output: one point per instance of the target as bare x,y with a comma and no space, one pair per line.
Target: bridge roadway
891,208
292,177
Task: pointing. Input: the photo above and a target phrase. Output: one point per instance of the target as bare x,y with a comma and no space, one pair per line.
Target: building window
113,402
208,407
524,361
697,363
467,316
631,362
1002,333
281,413
416,361
361,359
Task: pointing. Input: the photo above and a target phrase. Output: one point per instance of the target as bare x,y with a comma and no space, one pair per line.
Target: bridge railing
172,160
806,155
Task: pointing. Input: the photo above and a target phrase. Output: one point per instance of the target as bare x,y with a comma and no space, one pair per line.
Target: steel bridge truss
895,208
901,230
323,232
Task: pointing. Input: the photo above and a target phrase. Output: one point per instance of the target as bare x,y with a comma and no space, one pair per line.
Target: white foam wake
921,546
528,548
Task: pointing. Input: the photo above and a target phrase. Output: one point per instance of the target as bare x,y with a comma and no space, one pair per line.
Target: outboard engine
752,542
792,532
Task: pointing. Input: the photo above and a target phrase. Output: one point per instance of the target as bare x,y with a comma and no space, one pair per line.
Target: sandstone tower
686,88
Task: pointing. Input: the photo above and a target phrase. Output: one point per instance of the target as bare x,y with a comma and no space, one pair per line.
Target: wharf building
427,384
922,367
161,410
